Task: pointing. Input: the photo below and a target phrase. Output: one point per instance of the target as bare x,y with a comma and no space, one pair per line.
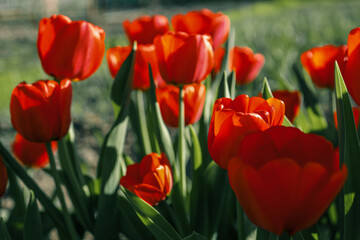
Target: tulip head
216,25
246,64
292,100
144,54
31,154
232,119
145,28
184,58
285,179
168,99
319,63
40,112
151,179
70,49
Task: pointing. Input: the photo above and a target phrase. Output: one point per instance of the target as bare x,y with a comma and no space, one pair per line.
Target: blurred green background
280,30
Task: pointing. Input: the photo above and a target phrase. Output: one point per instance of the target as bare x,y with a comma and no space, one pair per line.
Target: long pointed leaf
32,223
349,149
152,219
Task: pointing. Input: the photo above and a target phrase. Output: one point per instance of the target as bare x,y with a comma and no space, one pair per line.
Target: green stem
79,200
143,123
240,222
181,144
53,212
68,221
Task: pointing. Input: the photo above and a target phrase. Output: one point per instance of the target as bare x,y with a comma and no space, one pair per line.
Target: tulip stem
181,144
68,221
142,122
240,222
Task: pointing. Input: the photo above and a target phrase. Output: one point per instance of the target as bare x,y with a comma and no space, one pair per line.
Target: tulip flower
144,54
3,177
243,61
246,64
232,119
319,64
31,154
70,49
292,100
184,58
40,112
352,73
285,179
168,99
356,113
144,29
151,179
204,21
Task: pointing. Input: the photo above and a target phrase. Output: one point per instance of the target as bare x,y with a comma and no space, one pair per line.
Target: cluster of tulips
233,167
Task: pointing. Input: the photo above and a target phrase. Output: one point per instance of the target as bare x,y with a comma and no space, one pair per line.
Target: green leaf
232,83
195,236
349,152
196,188
266,92
111,163
311,102
151,218
224,87
163,134
348,201
32,223
53,212
4,234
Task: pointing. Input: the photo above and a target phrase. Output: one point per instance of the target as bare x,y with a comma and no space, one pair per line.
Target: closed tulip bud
319,63
216,25
70,49
285,179
184,58
151,179
145,28
40,112
144,54
168,99
232,119
3,177
31,154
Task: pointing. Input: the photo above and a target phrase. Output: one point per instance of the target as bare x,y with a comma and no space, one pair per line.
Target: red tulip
144,54
232,119
319,64
243,61
144,29
3,177
184,58
151,179
246,64
285,179
31,154
352,73
292,100
70,49
168,99
40,112
356,113
204,21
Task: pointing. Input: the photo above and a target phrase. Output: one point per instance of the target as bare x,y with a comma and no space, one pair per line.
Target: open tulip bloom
188,155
